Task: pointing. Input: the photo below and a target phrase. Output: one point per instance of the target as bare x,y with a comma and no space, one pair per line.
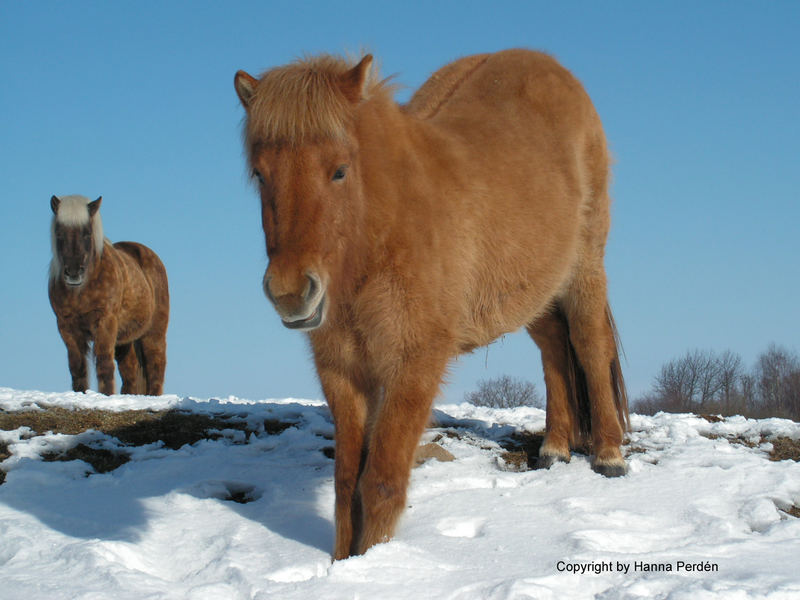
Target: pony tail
579,391
578,396
141,374
617,380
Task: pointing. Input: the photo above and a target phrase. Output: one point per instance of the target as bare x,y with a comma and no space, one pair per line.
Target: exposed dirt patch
174,428
712,418
733,439
522,450
102,460
794,512
784,448
242,496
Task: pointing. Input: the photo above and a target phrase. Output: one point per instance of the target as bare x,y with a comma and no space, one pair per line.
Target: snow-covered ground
696,517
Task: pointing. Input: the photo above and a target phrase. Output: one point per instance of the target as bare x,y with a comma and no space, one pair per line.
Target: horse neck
399,154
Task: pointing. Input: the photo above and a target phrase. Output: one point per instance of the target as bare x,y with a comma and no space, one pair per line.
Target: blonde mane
73,211
302,101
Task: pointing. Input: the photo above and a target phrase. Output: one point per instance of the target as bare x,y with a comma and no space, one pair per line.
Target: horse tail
617,380
579,389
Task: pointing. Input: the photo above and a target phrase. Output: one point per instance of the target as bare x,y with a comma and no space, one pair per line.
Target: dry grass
522,450
176,428
712,418
102,460
173,428
794,512
784,448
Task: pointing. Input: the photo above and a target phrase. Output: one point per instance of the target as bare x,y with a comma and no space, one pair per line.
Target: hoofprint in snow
696,516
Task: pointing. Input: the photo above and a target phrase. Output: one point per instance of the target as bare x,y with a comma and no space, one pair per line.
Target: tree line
704,381
701,382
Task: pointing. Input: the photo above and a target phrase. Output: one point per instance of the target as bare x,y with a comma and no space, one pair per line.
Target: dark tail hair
617,380
579,391
141,377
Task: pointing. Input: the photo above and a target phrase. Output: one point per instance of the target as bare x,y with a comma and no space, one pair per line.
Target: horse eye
257,174
340,173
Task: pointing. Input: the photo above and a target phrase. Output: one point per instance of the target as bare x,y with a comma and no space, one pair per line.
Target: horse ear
245,85
352,83
55,202
94,206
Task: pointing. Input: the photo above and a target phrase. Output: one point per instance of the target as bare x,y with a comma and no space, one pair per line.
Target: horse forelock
73,211
303,101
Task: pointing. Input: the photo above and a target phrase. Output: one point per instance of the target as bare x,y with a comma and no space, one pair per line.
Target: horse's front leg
348,404
77,347
104,346
394,437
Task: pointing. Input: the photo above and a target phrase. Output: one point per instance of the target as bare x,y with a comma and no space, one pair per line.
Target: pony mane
302,101
73,211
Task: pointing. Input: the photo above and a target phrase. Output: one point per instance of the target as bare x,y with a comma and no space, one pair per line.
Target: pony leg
154,361
394,438
129,369
77,347
592,335
348,405
104,345
551,335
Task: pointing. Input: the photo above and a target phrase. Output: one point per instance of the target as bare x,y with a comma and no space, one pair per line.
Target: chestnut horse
401,236
115,295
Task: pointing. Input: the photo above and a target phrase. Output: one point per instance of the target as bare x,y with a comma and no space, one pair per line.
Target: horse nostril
267,291
313,286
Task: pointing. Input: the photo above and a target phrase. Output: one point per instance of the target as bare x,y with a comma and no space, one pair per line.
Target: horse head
304,155
77,239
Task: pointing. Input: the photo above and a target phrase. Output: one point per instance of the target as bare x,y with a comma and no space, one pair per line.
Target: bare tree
505,392
690,382
732,383
699,381
777,382
704,381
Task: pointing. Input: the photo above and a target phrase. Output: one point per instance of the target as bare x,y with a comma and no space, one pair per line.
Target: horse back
526,176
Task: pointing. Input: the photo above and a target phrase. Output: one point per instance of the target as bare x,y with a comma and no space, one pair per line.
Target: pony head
300,136
77,239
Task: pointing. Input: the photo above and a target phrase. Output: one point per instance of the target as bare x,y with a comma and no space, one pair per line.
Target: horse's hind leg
129,369
551,335
154,361
592,335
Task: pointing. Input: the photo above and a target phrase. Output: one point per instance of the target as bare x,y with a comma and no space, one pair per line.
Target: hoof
546,461
610,470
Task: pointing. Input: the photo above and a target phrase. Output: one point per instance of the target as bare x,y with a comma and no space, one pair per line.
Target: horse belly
526,244
138,306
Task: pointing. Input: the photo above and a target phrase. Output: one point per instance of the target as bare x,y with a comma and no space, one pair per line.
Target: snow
160,525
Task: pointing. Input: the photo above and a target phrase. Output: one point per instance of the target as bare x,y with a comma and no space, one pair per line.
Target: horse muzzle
304,311
74,279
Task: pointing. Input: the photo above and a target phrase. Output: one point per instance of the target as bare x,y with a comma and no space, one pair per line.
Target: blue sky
134,101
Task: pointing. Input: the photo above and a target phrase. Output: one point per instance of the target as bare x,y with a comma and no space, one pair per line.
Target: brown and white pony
401,236
114,295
